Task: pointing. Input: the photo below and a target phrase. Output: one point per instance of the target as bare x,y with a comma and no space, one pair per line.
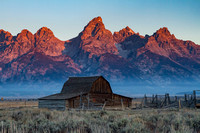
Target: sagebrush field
32,120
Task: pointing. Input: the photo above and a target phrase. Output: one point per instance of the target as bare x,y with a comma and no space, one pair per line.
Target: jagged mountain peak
128,29
25,31
44,29
163,31
24,34
95,39
3,31
5,35
97,51
47,43
94,28
44,32
163,34
123,34
97,19
95,22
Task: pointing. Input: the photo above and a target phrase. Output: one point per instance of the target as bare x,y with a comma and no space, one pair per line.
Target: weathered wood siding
52,104
67,104
101,98
101,86
77,101
99,95
119,100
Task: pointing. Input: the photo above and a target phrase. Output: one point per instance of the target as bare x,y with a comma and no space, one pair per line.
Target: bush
136,128
42,120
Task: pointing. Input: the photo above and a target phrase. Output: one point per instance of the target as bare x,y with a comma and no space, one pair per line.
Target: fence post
80,101
165,99
122,104
145,99
88,101
2,126
153,98
168,99
179,104
185,97
156,100
176,99
194,95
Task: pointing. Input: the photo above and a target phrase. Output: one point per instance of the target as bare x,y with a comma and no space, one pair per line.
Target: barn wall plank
52,104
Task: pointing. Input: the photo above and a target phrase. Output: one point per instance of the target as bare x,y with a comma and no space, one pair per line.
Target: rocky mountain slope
96,51
38,57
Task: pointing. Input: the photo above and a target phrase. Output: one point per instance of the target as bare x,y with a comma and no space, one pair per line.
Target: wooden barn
85,93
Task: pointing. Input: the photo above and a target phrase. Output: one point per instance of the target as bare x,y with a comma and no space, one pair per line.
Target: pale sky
66,18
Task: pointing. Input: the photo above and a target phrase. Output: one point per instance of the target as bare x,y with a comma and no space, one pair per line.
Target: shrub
42,120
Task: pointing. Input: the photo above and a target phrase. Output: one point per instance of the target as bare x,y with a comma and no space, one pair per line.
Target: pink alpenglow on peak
95,39
96,51
123,34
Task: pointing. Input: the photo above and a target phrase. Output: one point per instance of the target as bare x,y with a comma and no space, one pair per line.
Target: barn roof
79,84
73,87
60,96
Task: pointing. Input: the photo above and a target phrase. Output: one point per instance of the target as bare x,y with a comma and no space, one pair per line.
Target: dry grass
136,103
29,120
17,104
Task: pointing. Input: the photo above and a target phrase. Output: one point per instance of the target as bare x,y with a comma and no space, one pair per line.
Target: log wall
78,101
52,104
94,98
119,100
100,94
101,98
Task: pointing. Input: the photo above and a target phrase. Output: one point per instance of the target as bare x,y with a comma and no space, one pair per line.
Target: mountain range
121,55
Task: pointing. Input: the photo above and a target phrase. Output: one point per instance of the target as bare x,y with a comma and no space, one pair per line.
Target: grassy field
16,104
32,120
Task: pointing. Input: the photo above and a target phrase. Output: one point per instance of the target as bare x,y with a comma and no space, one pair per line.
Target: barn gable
101,85
76,86
79,85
